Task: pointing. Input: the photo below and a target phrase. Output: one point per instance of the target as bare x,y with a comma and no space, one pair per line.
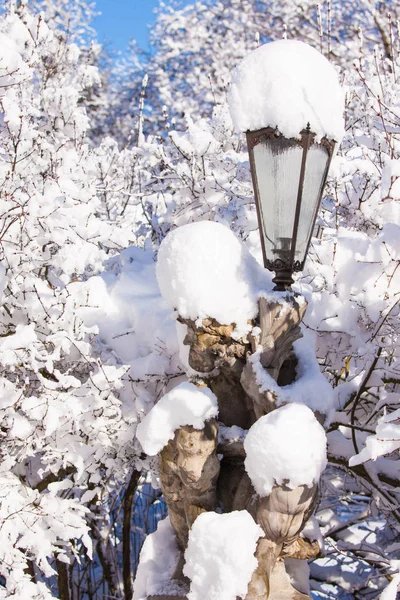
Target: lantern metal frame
284,269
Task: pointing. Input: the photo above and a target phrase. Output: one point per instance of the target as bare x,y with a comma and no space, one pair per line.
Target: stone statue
194,480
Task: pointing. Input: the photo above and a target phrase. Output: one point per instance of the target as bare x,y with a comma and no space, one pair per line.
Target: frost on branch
287,85
286,447
60,413
385,441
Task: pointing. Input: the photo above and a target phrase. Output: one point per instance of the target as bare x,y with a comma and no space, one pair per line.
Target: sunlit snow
287,84
286,446
220,555
204,270
184,405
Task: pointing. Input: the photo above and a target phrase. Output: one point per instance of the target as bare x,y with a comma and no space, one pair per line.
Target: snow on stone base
220,555
158,560
287,84
287,446
185,404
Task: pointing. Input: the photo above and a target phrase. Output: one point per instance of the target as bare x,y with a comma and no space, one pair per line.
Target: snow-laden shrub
63,431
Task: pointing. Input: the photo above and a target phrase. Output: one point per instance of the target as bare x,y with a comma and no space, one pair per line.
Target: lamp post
287,99
288,176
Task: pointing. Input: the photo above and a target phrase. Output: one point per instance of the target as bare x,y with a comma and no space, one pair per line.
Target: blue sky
122,20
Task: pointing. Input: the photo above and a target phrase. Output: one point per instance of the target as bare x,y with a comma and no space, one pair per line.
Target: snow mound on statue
158,560
287,446
203,270
184,405
220,555
287,84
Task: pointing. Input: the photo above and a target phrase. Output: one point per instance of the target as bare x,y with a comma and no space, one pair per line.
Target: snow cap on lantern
287,98
287,85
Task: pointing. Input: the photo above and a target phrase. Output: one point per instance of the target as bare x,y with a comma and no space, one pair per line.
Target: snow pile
287,446
125,304
203,270
310,387
287,84
312,532
299,574
220,555
196,139
184,405
158,560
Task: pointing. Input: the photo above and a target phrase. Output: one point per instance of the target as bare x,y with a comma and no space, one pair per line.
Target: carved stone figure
194,480
189,469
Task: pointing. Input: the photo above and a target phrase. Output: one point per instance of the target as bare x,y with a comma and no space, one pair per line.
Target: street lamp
288,180
286,97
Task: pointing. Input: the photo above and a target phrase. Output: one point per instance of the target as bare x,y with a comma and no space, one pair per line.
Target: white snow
3,279
158,560
126,307
183,405
384,441
203,270
229,435
299,574
287,446
220,555
311,531
390,592
310,387
287,84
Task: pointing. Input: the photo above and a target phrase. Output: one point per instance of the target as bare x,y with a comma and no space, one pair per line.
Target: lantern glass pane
277,171
316,165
